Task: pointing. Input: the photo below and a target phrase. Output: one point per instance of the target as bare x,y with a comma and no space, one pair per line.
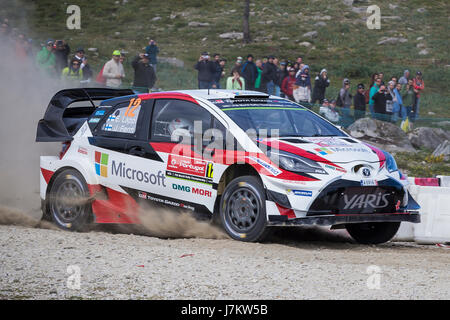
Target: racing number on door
209,170
134,103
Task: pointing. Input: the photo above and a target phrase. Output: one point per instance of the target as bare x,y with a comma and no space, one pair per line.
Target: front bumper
331,220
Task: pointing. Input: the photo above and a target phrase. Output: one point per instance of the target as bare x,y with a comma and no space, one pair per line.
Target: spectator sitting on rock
359,102
113,71
206,69
321,82
404,80
329,111
235,82
288,84
152,50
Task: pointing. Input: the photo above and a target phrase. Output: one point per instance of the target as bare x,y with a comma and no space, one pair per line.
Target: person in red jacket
287,86
418,86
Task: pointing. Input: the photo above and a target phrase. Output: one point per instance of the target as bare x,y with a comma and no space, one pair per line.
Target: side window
124,118
178,117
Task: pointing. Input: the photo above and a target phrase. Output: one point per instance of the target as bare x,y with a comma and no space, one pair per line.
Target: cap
49,41
205,53
250,56
80,50
271,57
116,53
283,63
419,73
239,58
361,86
325,100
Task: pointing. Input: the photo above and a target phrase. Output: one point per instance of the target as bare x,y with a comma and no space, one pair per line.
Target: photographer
45,59
62,51
380,98
144,74
81,58
206,69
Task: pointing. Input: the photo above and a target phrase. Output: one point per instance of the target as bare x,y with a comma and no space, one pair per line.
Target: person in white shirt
113,71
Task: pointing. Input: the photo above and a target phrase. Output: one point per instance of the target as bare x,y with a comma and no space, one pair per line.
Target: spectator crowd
384,99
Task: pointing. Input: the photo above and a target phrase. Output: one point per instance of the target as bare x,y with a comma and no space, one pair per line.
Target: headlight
391,165
295,163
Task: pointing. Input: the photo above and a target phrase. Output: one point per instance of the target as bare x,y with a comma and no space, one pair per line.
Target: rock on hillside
384,135
429,138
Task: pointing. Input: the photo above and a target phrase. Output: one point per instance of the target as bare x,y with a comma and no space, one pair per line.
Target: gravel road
293,264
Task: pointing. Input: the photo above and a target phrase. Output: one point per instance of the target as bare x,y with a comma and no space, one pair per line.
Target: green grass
344,46
421,165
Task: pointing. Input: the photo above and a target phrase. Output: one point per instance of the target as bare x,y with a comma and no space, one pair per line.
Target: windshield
291,120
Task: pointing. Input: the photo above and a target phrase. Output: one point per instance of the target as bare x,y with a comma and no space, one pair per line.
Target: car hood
327,149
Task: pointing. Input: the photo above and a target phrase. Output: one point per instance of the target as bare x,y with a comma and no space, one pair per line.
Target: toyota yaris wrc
246,159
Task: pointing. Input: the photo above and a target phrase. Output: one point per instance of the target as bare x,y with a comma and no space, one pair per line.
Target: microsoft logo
323,151
101,164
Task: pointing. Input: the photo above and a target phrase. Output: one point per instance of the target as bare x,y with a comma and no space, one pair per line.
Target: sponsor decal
146,196
193,190
369,182
100,113
120,169
94,120
272,169
366,172
304,193
82,150
366,201
349,149
190,169
328,142
323,151
335,168
101,164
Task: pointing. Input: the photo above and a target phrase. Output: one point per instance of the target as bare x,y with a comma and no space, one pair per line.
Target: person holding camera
152,50
45,59
206,69
84,65
144,74
62,51
380,99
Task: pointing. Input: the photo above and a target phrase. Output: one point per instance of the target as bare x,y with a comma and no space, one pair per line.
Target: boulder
392,40
232,35
198,24
443,149
311,34
384,135
305,44
430,138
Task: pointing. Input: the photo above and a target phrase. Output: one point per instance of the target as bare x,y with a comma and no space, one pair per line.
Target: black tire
68,202
374,232
243,209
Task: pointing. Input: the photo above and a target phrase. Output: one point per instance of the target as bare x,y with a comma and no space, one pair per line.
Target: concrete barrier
435,216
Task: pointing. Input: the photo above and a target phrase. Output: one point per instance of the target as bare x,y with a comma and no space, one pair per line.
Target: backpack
339,102
100,79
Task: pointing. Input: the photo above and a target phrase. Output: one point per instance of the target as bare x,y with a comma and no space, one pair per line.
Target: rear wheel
374,232
243,210
68,202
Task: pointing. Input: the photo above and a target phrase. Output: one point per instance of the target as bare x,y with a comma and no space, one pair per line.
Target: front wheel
374,232
243,209
68,201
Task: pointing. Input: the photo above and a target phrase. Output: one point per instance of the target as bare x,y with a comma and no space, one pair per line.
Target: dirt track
294,264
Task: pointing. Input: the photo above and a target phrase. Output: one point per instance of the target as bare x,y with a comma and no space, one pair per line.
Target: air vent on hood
294,140
349,140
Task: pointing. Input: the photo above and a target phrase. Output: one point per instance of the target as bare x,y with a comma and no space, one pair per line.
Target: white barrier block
445,181
435,214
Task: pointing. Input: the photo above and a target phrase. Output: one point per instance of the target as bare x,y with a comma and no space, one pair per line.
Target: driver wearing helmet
180,126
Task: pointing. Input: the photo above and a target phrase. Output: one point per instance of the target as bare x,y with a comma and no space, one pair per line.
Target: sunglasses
75,64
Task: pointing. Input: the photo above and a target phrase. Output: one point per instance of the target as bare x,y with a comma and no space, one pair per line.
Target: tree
247,38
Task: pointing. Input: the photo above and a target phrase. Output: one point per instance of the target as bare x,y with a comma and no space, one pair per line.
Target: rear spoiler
52,127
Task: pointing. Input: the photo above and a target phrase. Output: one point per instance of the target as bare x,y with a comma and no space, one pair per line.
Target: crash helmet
180,123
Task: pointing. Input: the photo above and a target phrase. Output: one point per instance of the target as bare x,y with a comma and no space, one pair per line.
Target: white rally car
250,160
